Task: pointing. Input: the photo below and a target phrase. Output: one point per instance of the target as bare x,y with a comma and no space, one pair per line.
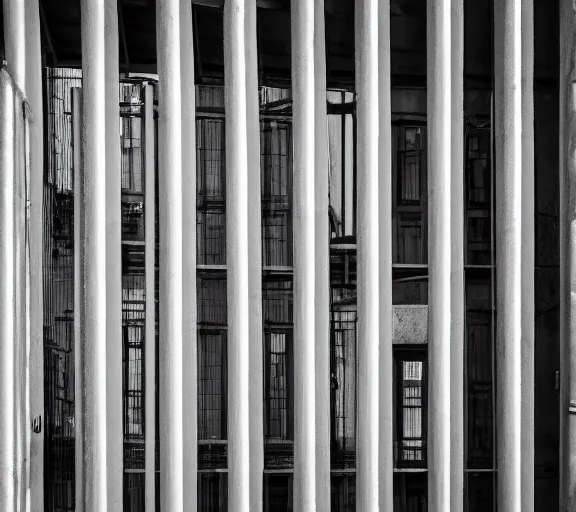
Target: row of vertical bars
99,449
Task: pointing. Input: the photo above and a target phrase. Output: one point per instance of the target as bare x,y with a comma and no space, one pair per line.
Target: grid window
276,169
279,407
213,492
410,447
131,159
278,495
343,493
211,385
211,220
409,157
343,388
133,381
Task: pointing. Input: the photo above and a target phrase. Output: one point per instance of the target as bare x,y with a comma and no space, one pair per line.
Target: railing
410,454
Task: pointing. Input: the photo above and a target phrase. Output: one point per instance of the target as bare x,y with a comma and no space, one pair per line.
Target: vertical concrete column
367,89
114,399
237,256
457,297
567,184
15,52
508,126
527,257
439,45
190,376
322,267
256,355
93,244
150,318
7,303
170,214
36,169
78,287
304,162
386,384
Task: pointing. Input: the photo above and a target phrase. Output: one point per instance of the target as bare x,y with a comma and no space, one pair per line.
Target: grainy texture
439,252
367,87
508,128
170,254
303,94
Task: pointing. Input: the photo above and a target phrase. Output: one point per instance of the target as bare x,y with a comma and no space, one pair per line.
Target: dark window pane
278,493
480,492
343,493
343,388
212,492
134,497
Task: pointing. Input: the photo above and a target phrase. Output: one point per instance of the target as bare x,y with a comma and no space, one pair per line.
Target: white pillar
528,247
367,88
567,184
189,342
7,304
439,252
93,243
508,126
237,256
386,384
150,318
15,40
78,290
322,267
170,226
256,355
303,106
114,398
15,44
457,298
36,173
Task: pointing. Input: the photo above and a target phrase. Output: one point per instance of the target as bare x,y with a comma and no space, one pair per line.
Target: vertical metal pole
256,356
439,44
386,386
7,304
528,255
322,267
150,322
15,40
303,94
237,255
508,125
94,363
114,398
78,292
189,342
170,209
36,148
567,254
367,88
457,298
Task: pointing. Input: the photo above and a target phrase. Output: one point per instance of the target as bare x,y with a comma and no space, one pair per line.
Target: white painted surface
368,280
439,44
508,127
170,263
237,258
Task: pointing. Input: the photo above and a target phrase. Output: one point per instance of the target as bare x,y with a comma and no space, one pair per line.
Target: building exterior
262,260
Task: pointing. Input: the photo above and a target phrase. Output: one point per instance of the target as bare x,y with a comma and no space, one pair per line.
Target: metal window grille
213,492
211,231
276,169
343,497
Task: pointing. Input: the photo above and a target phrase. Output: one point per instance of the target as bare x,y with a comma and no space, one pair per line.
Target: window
343,387
133,381
279,385
410,200
410,445
211,187
134,497
478,168
278,493
211,384
409,158
343,493
276,165
212,492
